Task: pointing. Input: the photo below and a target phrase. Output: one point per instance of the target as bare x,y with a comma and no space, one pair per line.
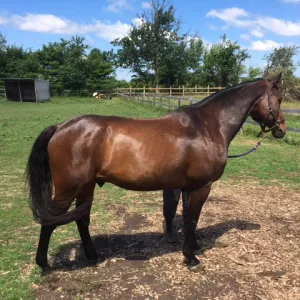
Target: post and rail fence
169,97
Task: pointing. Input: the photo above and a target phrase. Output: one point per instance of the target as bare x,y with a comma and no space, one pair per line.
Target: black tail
39,180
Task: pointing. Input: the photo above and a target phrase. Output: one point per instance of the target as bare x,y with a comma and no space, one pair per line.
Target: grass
290,105
274,163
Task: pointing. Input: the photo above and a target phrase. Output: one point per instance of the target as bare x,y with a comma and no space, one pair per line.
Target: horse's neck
235,107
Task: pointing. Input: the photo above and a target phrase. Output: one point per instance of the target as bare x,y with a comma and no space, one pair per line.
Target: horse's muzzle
278,132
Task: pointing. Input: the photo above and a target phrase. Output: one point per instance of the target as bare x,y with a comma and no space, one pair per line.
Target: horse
186,149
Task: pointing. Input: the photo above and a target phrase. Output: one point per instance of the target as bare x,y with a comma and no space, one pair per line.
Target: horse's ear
277,80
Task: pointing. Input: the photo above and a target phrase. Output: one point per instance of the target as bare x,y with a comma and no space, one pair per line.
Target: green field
275,163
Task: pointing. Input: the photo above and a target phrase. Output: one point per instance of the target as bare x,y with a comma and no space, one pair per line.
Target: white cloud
117,6
265,45
245,37
228,14
47,23
257,32
280,27
146,5
291,1
256,24
137,22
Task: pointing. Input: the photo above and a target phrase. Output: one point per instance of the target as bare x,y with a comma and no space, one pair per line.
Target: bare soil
249,236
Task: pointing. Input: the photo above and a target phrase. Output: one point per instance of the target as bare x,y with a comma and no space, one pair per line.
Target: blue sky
258,26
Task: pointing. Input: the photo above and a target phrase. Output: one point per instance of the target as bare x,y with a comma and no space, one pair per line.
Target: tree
100,70
182,59
2,42
223,64
153,46
2,56
281,60
252,74
64,63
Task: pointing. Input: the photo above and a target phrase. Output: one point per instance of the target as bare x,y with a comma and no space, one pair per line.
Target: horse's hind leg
41,254
45,234
83,226
170,203
62,202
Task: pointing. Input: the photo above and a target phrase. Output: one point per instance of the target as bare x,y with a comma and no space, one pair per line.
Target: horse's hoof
99,260
196,268
170,238
103,263
92,261
193,264
46,270
92,257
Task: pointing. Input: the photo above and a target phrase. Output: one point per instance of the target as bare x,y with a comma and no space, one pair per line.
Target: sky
257,25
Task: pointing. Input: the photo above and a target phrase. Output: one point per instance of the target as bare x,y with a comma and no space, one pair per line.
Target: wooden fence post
144,92
208,90
170,91
183,90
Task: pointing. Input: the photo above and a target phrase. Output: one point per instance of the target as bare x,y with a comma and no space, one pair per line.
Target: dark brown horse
186,149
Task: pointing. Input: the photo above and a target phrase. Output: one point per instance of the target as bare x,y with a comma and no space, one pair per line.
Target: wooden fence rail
196,90
159,99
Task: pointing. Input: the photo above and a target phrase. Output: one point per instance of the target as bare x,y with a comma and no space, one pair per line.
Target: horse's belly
143,177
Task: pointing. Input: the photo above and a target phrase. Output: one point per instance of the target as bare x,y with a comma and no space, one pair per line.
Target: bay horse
185,149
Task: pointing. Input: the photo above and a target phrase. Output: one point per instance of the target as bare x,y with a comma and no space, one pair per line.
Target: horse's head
267,110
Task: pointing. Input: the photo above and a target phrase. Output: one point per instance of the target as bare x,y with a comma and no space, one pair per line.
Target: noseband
270,112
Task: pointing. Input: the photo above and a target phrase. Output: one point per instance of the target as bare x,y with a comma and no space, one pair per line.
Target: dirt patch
134,222
249,238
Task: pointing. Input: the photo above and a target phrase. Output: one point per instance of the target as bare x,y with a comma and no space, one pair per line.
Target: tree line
155,50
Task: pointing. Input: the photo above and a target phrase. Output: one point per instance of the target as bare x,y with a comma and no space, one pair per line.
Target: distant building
26,90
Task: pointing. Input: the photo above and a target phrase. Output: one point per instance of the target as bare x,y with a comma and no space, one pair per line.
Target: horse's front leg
195,203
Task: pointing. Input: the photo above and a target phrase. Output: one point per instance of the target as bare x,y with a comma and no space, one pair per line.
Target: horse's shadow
143,246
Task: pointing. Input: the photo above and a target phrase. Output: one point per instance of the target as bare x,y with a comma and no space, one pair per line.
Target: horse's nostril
280,133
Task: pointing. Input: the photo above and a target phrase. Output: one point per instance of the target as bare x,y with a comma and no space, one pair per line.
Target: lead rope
251,150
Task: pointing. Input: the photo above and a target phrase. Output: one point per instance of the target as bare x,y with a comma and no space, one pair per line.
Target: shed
26,90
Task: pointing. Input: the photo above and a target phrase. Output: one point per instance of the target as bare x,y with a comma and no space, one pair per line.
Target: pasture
249,227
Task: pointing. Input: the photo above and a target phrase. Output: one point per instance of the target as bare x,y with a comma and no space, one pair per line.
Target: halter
270,112
263,129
